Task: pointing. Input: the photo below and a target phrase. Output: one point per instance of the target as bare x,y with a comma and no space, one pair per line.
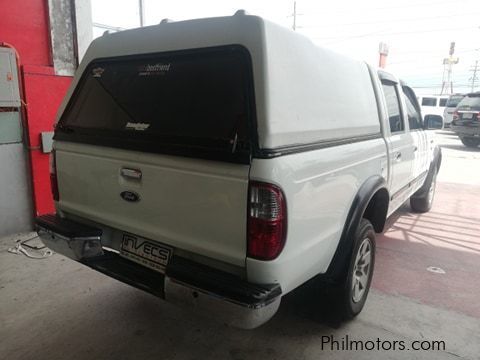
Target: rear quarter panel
319,187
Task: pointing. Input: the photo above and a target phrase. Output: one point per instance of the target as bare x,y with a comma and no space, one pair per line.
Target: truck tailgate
192,204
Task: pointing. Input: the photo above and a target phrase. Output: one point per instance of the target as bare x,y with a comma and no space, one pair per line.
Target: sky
417,32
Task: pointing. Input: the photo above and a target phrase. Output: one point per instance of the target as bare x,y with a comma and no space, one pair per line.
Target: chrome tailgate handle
131,173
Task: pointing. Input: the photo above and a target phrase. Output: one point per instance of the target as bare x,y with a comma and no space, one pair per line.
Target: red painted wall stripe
43,95
25,25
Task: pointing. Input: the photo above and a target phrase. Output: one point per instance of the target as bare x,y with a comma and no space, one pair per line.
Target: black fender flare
342,255
437,161
437,157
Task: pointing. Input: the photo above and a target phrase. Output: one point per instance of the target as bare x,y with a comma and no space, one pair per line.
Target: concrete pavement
57,309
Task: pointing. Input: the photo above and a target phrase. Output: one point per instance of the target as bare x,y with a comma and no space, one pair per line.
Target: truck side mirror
432,122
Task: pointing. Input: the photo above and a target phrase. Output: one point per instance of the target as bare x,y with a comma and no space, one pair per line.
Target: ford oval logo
130,196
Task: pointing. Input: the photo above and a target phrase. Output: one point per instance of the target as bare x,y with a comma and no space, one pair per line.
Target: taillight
53,176
478,116
267,221
455,116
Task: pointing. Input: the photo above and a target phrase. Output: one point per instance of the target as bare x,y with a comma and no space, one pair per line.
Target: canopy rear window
193,103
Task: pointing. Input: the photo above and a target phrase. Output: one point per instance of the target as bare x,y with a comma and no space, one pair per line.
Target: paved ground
58,309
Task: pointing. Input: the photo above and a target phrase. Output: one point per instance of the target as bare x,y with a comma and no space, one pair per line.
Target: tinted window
443,102
429,101
454,100
414,117
184,100
470,102
393,107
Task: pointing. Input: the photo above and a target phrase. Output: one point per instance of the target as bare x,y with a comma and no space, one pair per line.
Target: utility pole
447,82
475,69
141,12
294,27
294,16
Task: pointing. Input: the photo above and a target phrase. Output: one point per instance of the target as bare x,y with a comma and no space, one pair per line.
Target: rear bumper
473,130
224,296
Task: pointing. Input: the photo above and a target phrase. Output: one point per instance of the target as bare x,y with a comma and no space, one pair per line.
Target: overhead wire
403,6
393,33
387,21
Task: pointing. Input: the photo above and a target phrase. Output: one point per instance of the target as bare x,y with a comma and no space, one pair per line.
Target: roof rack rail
241,12
166,21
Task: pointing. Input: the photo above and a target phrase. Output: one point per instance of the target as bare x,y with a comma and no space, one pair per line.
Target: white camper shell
290,75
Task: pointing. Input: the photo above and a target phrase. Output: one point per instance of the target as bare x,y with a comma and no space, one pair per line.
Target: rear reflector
53,176
267,221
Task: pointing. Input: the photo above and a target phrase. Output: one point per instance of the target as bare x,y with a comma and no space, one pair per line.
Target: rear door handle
415,148
398,156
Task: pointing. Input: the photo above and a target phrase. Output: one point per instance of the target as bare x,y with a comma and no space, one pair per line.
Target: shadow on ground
447,237
460,147
446,133
57,309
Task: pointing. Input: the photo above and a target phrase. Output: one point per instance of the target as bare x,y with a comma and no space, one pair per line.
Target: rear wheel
470,141
353,289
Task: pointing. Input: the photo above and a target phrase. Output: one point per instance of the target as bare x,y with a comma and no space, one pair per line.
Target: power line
390,21
395,33
346,38
430,78
430,54
437,86
404,6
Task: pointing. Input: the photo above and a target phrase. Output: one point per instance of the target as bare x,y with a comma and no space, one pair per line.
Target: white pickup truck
221,163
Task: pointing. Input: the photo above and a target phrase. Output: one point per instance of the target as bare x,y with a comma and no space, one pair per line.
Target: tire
470,141
354,287
422,200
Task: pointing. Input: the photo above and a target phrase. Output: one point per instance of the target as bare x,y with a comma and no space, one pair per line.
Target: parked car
450,107
224,169
433,104
466,120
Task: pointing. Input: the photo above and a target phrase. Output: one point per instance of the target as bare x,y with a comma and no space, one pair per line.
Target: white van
433,104
221,163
